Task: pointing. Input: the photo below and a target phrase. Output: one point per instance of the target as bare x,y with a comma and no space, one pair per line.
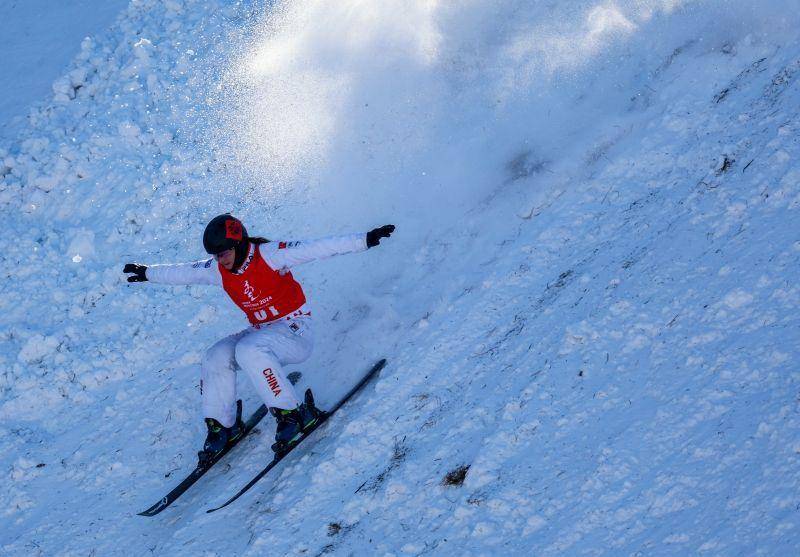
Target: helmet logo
233,229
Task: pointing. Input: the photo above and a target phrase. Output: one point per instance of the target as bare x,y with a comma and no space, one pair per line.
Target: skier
254,272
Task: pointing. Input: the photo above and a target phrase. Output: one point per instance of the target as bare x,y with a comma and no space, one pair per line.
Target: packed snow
589,307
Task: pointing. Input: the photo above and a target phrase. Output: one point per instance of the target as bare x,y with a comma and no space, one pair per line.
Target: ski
323,418
201,469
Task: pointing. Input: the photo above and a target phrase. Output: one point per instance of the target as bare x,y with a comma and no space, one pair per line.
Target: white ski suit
275,305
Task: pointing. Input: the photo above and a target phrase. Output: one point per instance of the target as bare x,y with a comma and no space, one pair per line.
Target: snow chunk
620,308
129,130
781,157
738,299
636,343
37,347
63,89
676,538
709,546
482,529
534,524
204,315
82,245
16,501
45,183
173,6
736,209
77,78
142,49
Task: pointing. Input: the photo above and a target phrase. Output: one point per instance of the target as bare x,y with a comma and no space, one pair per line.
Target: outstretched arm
198,272
285,255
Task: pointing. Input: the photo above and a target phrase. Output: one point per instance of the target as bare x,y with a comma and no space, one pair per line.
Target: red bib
262,292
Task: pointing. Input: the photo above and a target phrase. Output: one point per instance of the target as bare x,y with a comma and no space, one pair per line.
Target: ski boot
292,424
220,436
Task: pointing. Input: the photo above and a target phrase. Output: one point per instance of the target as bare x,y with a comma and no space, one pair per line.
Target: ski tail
201,469
323,418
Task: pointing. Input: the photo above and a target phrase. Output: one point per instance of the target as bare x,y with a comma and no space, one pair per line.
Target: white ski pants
261,353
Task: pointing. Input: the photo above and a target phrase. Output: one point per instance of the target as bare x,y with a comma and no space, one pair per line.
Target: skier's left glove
137,270
374,236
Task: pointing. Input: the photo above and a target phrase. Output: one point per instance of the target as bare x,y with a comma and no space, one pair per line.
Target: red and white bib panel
261,292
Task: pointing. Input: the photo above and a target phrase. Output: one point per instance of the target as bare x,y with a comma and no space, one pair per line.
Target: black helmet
223,233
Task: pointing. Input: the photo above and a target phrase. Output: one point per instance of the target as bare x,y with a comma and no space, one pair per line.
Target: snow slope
590,301
39,39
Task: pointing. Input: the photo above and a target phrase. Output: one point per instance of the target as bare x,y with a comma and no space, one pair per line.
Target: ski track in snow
602,325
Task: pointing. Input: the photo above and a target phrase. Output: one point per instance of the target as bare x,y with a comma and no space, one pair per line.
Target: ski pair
205,463
201,469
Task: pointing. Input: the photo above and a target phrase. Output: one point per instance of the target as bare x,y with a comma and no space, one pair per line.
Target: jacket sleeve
285,255
199,272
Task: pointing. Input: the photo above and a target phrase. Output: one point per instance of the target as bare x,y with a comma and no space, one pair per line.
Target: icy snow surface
590,306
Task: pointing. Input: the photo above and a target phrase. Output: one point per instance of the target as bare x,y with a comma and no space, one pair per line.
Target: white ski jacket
280,256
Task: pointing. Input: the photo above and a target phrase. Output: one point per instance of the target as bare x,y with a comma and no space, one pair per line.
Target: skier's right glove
374,236
137,270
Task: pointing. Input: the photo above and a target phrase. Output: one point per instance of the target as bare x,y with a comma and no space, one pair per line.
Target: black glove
374,236
137,270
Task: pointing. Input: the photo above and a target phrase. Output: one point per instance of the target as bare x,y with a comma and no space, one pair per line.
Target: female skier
255,274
